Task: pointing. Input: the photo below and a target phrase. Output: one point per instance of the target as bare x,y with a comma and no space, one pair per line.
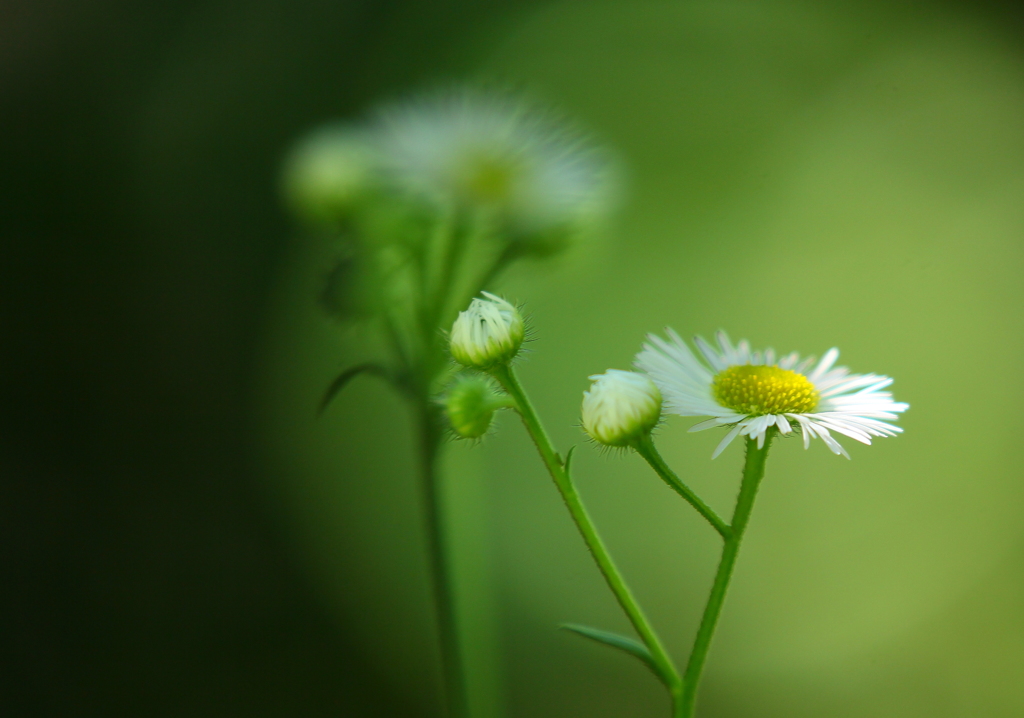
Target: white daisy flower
489,149
751,391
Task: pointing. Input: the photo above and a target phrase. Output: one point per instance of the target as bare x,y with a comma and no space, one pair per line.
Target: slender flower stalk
645,447
439,556
753,472
559,470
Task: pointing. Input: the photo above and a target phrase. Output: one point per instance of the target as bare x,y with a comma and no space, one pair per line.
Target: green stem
463,224
753,472
431,437
509,254
557,469
645,447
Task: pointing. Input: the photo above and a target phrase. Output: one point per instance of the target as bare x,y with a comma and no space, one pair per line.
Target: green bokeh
802,177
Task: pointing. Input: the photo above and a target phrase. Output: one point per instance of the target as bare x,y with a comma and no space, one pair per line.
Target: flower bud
488,333
470,405
620,407
329,174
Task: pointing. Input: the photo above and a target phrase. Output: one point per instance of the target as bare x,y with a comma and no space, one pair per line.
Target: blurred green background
182,536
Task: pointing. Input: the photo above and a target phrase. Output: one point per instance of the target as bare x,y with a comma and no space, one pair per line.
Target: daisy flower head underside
753,391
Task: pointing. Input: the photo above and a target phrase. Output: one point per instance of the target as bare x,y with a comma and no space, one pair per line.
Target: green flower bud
329,174
488,333
620,407
470,405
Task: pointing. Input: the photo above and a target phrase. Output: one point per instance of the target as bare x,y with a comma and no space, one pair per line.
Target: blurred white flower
620,407
489,332
752,392
490,149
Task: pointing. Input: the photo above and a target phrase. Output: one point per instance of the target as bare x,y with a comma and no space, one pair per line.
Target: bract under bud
330,173
488,333
620,407
470,405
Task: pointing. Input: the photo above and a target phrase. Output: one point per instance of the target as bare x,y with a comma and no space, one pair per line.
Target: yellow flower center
758,390
490,179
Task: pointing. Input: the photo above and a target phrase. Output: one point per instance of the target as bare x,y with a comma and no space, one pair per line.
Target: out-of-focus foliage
803,174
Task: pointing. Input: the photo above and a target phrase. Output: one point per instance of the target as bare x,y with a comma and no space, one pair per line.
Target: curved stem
645,447
753,472
557,469
431,437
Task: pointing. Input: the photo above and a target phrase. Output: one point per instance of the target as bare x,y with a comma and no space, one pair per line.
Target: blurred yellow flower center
758,390
490,179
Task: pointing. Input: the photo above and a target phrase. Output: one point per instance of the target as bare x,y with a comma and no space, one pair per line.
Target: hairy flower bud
620,407
488,333
470,405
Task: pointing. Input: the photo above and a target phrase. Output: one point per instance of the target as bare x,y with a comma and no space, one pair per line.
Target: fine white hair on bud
470,404
620,407
490,332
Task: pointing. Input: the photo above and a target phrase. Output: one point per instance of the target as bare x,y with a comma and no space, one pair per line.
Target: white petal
728,351
758,426
743,352
726,441
783,424
805,429
712,357
825,364
709,424
831,443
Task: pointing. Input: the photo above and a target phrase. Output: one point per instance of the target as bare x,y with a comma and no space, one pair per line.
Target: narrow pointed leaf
629,645
568,459
342,380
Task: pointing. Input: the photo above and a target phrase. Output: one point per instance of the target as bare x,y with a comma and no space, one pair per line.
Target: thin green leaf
629,645
568,459
348,375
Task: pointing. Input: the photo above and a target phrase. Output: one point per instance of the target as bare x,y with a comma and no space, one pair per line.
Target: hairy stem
645,447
